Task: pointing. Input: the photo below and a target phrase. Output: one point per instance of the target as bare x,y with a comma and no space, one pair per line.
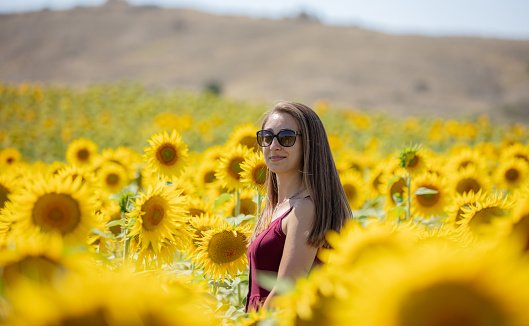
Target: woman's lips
276,158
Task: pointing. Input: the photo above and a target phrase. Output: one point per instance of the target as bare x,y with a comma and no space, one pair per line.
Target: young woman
305,198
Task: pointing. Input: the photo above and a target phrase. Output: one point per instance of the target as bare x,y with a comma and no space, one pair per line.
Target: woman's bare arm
298,256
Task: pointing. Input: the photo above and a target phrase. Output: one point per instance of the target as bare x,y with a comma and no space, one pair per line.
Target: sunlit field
126,205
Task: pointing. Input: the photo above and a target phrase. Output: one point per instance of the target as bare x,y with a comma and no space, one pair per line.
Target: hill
267,60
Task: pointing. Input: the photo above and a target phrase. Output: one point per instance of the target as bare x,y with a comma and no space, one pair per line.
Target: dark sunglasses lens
264,138
286,138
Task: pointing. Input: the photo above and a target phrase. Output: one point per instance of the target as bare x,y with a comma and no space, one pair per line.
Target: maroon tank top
264,254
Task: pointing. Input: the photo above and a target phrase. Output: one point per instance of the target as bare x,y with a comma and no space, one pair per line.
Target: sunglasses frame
277,136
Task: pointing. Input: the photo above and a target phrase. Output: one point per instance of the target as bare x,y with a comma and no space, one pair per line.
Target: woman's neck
288,185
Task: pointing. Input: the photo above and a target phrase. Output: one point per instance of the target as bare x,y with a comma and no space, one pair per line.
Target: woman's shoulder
303,207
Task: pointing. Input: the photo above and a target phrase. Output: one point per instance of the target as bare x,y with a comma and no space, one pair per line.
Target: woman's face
279,159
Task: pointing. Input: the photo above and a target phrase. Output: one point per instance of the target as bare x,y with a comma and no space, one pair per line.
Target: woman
305,198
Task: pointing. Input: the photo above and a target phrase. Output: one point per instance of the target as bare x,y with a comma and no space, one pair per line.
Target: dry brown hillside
267,60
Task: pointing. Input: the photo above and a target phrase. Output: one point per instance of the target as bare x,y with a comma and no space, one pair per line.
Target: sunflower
245,136
313,301
350,160
127,158
469,180
197,226
185,184
7,186
77,171
222,252
460,201
213,153
9,156
112,177
34,258
56,206
254,318
354,186
511,174
56,166
517,151
393,187
248,206
205,176
482,218
356,245
229,169
197,206
160,219
414,160
436,165
81,151
254,171
467,158
428,204
99,298
520,220
438,288
375,177
167,154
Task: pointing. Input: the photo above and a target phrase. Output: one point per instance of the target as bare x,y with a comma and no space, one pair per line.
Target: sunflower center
3,195
196,212
235,168
224,247
34,267
376,181
413,162
209,177
167,154
523,157
248,207
467,185
83,154
350,191
154,213
259,174
485,216
428,200
249,141
449,303
10,160
464,164
59,212
522,229
512,175
112,179
397,188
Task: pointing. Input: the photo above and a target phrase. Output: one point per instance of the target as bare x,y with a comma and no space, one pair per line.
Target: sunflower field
127,205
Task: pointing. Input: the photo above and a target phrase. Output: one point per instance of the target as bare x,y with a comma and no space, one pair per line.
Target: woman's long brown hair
319,176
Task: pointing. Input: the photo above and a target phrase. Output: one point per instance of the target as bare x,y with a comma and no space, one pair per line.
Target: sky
482,18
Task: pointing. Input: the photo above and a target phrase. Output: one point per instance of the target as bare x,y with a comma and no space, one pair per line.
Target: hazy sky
487,18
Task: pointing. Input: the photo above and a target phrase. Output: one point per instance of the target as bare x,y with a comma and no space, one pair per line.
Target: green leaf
103,234
222,199
117,222
398,199
399,210
425,191
268,280
238,219
393,179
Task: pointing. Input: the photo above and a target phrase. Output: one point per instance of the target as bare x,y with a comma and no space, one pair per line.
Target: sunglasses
286,137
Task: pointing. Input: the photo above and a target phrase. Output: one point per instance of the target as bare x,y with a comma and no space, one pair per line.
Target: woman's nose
275,143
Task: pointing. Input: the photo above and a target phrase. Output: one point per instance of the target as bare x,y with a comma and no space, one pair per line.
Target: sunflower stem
237,203
408,202
239,293
124,231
